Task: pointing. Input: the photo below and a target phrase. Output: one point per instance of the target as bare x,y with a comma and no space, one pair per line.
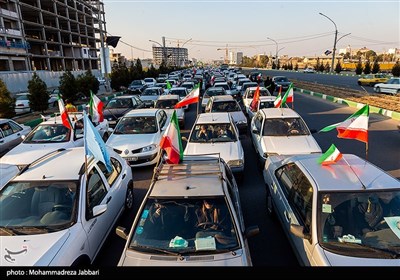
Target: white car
182,92
392,86
338,214
247,97
57,216
177,237
217,133
150,82
263,103
167,103
281,131
308,70
137,136
49,136
7,172
11,134
150,95
211,91
22,104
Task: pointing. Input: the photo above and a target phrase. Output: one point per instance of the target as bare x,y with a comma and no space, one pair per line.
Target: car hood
115,113
288,145
26,153
148,97
238,116
31,250
133,258
179,112
341,260
228,150
132,141
283,83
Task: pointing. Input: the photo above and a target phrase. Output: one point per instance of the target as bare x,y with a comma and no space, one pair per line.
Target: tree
396,69
68,86
38,95
139,67
327,67
7,102
87,82
321,68
121,76
359,67
375,67
367,67
317,66
338,67
296,67
273,65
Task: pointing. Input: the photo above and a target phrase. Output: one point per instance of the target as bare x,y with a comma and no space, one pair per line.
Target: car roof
255,88
348,174
220,98
189,179
142,112
220,117
272,113
267,98
169,96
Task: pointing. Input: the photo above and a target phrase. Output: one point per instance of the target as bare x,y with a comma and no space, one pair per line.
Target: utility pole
334,42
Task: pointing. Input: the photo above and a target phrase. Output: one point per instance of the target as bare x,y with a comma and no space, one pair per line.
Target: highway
271,248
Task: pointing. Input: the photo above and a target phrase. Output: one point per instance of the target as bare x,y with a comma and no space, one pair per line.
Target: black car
137,87
281,81
119,106
255,76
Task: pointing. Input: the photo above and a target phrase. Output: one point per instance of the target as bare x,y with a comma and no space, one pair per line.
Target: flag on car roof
192,97
168,85
96,108
290,96
354,127
332,155
280,100
64,114
171,141
94,144
256,98
259,77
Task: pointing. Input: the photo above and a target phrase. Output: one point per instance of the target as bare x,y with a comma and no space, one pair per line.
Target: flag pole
366,150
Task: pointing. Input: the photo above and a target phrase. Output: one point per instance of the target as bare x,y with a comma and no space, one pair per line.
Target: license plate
132,158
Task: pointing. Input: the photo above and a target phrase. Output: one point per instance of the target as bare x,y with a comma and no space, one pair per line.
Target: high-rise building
171,56
55,35
239,58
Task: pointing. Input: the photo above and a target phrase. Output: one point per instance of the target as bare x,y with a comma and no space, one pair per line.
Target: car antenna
363,186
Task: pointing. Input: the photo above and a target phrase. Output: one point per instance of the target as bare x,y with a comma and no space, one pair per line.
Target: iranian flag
64,114
96,108
192,97
171,141
331,156
280,100
259,77
256,98
290,96
354,127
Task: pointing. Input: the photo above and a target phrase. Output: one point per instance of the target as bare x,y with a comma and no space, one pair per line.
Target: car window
96,191
258,121
136,125
6,128
166,103
285,127
213,132
116,170
225,106
162,119
49,133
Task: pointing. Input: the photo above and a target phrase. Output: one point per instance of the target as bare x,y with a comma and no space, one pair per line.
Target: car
392,86
11,134
320,209
137,136
22,104
211,91
167,103
372,79
226,103
308,70
175,237
137,87
7,171
263,103
248,95
119,106
222,136
281,82
281,131
51,135
150,82
150,95
182,92
57,216
188,85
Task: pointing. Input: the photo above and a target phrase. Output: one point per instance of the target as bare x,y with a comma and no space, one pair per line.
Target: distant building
172,56
239,58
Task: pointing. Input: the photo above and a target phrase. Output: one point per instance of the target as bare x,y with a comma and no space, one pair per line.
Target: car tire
269,204
129,198
378,89
359,83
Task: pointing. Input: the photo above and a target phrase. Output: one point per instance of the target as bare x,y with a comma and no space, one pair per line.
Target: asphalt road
271,248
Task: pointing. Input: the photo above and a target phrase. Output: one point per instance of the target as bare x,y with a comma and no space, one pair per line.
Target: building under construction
171,56
54,35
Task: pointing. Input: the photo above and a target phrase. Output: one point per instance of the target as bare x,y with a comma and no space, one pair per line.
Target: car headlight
236,162
149,148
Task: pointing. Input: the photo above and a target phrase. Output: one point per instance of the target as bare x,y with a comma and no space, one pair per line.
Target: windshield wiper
155,249
389,253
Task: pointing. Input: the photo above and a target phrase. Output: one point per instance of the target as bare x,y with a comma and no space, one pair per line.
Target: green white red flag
290,96
354,127
64,114
171,141
280,100
332,155
192,97
96,108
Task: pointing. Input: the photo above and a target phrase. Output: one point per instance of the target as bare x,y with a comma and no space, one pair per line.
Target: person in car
204,133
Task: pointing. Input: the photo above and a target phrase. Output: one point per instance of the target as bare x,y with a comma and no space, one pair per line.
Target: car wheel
129,199
270,206
378,89
359,83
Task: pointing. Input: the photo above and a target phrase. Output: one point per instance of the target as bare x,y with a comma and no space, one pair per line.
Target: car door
257,137
11,135
96,192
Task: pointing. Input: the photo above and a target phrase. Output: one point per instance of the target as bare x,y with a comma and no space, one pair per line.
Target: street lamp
179,53
334,42
163,51
276,51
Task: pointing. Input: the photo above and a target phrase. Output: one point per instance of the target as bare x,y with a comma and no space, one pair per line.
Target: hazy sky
296,26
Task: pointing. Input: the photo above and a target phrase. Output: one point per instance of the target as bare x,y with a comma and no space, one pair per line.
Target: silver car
342,214
11,134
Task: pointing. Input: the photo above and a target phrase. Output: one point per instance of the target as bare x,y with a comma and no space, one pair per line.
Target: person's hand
337,231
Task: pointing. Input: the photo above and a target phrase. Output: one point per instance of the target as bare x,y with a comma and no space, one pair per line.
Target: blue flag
94,144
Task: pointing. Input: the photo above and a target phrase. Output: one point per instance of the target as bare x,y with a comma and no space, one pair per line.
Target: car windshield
49,133
118,103
360,224
217,132
136,83
22,97
214,92
226,106
285,127
37,207
150,92
263,92
166,104
177,226
266,104
136,125
181,92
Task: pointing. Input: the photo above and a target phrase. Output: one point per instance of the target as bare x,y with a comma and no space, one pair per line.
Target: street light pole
179,53
276,50
334,42
162,49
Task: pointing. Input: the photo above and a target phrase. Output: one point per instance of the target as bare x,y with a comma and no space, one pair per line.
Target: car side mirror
23,137
255,131
99,209
79,136
298,231
184,138
251,231
121,232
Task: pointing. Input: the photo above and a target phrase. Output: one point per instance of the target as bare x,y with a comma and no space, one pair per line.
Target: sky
291,27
